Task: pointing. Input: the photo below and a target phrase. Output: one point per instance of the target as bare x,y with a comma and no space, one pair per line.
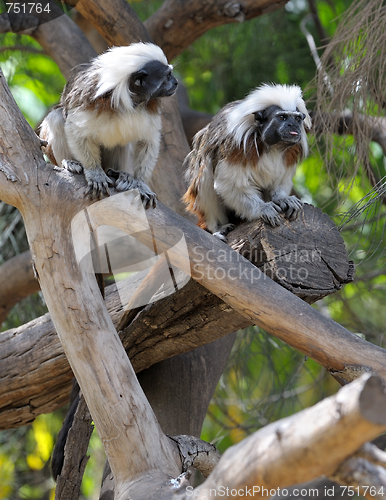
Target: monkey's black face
153,80
279,126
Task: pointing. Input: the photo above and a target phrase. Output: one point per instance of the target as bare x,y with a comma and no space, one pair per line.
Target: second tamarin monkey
242,163
109,116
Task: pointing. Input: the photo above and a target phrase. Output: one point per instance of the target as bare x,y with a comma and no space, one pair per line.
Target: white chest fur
270,170
267,174
113,129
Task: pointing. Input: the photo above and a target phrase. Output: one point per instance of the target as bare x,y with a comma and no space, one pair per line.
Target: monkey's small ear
139,77
260,116
303,115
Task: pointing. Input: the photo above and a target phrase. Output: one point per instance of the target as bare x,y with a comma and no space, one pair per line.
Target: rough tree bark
306,256
176,25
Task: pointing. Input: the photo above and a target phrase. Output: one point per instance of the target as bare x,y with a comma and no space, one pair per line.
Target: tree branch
279,311
364,471
85,329
363,476
115,20
346,124
197,453
75,454
311,443
177,24
118,23
34,372
22,48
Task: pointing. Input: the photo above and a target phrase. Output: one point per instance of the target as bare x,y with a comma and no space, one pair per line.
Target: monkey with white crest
242,163
110,115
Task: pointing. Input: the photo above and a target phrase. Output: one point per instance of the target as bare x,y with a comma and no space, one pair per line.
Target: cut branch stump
306,256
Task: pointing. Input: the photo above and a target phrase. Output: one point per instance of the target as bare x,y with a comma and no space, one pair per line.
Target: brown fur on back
102,104
47,150
238,155
190,199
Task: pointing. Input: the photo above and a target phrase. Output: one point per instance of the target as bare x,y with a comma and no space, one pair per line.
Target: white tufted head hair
115,66
240,121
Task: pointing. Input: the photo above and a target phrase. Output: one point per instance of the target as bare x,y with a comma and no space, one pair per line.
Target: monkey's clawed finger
97,189
125,182
122,180
290,205
292,213
149,201
270,214
98,183
75,167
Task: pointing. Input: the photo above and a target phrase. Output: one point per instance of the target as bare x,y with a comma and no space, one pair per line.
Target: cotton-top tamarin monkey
109,115
242,163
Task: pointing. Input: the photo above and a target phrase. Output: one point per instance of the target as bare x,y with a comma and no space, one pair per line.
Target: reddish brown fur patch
47,150
236,154
190,199
153,106
293,155
50,154
102,104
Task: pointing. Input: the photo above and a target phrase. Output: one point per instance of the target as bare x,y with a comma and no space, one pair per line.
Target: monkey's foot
125,182
75,167
149,199
270,214
98,182
290,205
221,234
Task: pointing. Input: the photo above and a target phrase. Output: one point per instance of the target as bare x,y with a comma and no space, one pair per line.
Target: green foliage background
265,379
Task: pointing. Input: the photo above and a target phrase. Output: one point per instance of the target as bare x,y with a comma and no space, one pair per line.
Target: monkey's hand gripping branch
125,182
98,182
290,205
